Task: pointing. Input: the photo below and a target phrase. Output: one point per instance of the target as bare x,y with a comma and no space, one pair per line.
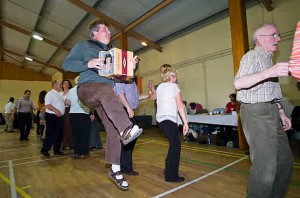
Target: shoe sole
136,135
116,183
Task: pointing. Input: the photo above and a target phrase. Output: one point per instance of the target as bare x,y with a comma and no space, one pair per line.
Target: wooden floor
210,171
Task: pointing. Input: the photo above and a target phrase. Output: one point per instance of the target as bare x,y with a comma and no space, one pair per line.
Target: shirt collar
262,52
105,47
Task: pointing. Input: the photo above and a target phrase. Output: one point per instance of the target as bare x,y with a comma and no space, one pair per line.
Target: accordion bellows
294,63
116,63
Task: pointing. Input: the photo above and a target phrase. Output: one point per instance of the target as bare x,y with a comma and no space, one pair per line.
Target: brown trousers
67,130
101,97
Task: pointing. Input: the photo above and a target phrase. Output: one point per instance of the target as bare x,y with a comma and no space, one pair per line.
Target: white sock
116,168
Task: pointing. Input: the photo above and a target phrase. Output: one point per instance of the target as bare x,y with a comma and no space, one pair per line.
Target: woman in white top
81,123
169,104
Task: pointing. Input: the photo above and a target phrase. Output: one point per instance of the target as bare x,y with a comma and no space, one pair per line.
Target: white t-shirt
56,100
76,104
166,102
9,107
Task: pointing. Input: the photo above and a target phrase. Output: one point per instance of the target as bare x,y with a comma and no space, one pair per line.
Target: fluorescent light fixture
37,36
144,43
29,58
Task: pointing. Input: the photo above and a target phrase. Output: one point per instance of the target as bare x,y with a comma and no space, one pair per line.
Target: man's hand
279,69
57,113
286,122
130,112
92,117
95,63
134,61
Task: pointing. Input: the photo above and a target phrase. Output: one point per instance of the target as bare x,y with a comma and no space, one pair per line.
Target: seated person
232,105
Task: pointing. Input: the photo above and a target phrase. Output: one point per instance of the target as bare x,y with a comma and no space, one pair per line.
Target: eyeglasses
275,35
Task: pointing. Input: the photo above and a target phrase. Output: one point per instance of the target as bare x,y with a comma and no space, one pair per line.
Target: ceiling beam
267,4
34,59
148,14
16,28
120,27
73,31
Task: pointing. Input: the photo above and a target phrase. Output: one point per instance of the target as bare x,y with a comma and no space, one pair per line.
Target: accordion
116,64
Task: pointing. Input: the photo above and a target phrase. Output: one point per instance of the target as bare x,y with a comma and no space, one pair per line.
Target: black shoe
59,153
46,154
26,138
21,139
96,148
179,179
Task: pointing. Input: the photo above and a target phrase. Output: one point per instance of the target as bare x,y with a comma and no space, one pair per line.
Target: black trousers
25,124
126,152
54,133
81,127
171,130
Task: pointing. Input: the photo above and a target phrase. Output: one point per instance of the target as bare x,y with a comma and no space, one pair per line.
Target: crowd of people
67,119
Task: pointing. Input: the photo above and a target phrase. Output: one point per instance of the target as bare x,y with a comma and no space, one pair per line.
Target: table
226,120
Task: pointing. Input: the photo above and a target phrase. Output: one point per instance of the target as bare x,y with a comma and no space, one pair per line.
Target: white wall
14,88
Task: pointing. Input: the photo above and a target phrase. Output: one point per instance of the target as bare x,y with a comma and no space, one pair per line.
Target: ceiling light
144,43
37,36
29,58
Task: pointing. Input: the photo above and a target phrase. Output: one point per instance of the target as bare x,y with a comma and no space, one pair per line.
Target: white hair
261,29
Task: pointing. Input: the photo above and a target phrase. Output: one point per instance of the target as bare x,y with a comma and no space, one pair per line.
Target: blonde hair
163,68
167,72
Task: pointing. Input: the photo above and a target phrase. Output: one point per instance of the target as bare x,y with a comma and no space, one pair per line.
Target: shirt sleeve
48,98
176,89
75,62
247,65
17,105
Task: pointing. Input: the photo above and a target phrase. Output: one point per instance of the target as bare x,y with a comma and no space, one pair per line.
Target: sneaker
131,134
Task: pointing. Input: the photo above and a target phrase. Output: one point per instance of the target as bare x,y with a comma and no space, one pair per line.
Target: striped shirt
253,62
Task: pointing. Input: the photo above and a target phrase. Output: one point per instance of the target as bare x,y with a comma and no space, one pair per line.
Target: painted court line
198,179
12,180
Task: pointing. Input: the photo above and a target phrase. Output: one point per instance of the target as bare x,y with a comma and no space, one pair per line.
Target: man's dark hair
26,91
232,95
94,26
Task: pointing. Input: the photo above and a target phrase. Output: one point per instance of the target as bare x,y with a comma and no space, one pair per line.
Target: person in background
169,103
97,93
42,115
232,105
8,109
24,107
80,122
67,142
95,138
263,119
55,110
129,97
152,92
